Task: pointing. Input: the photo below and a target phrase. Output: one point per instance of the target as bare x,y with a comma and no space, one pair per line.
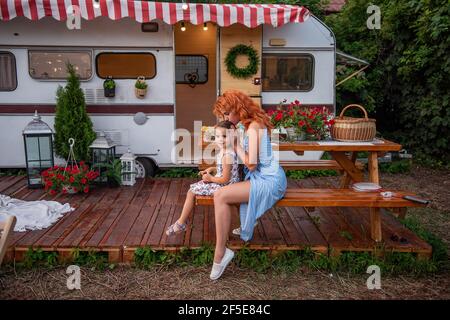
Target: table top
331,145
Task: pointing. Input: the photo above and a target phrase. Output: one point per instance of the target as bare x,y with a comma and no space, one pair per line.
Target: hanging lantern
128,161
38,142
103,153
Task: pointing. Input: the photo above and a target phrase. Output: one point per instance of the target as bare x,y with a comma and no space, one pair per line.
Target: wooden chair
6,229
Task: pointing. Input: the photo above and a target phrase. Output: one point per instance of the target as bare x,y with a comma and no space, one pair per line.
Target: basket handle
353,105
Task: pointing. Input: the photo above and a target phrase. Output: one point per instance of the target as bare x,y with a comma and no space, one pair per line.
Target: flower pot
69,189
109,93
279,134
294,135
140,93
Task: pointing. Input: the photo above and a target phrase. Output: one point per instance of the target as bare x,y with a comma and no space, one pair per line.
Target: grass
178,173
12,172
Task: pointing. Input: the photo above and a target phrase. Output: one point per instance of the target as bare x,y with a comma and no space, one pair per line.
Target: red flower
279,116
75,189
301,123
297,102
83,180
310,130
49,183
291,113
52,192
82,163
64,191
71,179
86,189
331,122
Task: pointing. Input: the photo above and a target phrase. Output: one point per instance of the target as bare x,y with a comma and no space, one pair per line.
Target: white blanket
32,215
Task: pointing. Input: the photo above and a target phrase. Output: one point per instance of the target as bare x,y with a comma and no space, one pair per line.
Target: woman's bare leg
224,198
187,207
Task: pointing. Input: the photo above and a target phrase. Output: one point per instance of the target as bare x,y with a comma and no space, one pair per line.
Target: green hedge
407,85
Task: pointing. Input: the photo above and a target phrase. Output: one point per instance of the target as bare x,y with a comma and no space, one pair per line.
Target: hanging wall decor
247,71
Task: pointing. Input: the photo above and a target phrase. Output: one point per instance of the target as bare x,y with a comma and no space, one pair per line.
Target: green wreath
248,71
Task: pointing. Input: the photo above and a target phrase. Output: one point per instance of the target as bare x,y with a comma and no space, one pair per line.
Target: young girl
227,172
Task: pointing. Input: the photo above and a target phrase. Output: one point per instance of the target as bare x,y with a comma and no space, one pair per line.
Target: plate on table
366,187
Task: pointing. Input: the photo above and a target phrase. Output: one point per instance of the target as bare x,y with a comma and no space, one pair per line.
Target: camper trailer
178,48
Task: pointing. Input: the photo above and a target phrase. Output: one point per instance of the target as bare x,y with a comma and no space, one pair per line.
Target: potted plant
70,179
302,123
109,87
140,87
315,122
113,172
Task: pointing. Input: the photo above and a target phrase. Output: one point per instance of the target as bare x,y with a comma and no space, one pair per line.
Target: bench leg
399,213
375,224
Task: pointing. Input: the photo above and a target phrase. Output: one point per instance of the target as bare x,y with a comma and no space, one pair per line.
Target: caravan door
195,76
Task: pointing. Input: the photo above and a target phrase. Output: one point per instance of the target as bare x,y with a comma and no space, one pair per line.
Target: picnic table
344,156
338,151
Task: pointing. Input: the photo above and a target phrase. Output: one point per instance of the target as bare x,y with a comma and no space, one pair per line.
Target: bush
72,120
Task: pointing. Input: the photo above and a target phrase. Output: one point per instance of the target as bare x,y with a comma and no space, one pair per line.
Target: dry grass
193,283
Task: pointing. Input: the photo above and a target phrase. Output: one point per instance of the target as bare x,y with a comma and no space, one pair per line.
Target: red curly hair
238,102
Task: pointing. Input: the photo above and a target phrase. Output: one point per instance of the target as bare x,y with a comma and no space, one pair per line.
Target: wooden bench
6,229
338,198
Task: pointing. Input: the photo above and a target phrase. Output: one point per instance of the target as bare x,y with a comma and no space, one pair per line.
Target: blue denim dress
267,185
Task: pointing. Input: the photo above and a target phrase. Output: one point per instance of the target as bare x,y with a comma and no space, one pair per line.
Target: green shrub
402,166
72,120
406,85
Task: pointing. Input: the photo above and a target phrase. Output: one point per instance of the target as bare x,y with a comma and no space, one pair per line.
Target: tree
406,85
72,120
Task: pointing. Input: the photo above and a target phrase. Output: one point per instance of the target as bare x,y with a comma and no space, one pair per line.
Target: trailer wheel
145,168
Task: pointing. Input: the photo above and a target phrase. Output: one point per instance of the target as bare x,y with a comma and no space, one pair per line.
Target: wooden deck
122,219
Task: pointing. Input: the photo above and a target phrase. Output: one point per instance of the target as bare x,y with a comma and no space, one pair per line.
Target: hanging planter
140,87
74,177
248,71
109,87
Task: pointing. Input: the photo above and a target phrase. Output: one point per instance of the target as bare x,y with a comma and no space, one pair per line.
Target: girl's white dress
202,188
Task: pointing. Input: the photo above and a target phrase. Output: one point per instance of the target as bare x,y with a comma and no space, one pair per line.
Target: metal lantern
128,161
103,153
38,142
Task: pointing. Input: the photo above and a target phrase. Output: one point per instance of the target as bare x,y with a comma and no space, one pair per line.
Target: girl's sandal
176,228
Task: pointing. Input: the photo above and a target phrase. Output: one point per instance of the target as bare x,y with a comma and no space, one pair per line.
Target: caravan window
191,69
126,65
51,65
287,72
8,75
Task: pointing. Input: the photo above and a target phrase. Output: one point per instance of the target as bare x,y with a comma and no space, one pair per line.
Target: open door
195,76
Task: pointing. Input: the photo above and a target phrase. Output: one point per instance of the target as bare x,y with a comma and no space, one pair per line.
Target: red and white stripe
250,15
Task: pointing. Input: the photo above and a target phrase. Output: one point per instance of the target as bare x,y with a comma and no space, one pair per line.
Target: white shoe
219,268
237,231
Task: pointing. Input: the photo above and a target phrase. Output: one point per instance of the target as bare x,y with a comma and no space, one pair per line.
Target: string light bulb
205,27
183,27
96,4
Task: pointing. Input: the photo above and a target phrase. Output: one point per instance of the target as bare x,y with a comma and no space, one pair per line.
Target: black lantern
103,153
38,141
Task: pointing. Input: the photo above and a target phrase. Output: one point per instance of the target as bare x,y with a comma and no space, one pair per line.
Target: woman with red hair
264,183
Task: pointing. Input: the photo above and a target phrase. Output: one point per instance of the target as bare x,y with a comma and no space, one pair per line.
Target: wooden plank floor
120,220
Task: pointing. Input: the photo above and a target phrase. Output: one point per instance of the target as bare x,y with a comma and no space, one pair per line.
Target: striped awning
250,15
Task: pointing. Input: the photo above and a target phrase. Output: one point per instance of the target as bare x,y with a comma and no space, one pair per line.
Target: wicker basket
353,129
